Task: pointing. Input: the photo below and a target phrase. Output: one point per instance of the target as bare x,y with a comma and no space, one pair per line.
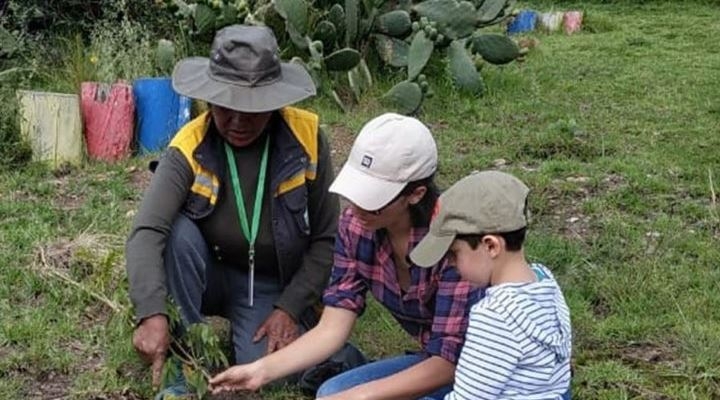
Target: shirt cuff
149,307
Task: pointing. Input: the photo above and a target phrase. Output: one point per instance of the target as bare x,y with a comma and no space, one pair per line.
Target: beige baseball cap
484,202
389,152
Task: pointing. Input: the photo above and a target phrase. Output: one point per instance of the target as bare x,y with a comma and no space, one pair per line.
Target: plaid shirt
435,307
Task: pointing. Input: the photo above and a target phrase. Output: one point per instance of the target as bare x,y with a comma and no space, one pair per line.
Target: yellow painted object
51,123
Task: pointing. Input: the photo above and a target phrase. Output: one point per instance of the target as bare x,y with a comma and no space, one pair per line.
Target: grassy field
617,132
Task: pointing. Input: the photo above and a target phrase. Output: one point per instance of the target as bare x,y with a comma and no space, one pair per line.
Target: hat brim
364,190
191,78
431,250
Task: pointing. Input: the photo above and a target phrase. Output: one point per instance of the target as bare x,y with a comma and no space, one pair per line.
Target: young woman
388,181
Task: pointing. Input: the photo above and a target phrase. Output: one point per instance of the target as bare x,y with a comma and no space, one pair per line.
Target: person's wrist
287,314
155,321
263,370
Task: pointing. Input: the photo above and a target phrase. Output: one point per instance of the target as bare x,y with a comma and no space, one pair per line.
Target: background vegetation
615,129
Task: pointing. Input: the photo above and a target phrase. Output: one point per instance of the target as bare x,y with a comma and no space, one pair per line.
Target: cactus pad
462,68
405,97
494,48
455,19
419,53
491,10
392,51
295,13
360,79
351,21
336,15
394,23
325,32
342,60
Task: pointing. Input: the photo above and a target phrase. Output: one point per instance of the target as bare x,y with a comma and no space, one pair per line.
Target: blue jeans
200,285
373,371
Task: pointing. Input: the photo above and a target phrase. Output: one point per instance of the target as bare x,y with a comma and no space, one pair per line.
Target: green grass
614,129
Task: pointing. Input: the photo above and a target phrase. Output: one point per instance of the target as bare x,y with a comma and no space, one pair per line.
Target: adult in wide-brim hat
241,188
388,181
244,73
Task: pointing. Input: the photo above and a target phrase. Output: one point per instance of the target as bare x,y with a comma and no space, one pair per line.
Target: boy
518,341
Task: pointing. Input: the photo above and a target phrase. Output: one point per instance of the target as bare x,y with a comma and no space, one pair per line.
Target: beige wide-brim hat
244,73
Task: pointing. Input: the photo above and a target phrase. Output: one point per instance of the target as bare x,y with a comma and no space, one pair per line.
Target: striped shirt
517,344
434,309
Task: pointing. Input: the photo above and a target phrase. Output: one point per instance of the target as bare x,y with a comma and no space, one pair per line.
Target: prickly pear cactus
360,79
351,21
455,19
313,71
462,68
419,53
492,11
395,23
405,97
342,60
494,48
336,15
326,32
392,51
295,13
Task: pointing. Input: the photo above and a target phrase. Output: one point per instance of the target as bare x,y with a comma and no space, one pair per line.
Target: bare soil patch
647,353
139,177
341,140
48,385
566,199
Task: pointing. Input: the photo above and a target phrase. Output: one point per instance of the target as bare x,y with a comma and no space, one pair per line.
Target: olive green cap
481,203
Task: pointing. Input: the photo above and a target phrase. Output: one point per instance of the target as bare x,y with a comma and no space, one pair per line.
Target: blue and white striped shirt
517,345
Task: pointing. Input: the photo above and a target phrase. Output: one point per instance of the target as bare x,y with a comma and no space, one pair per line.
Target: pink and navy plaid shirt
435,307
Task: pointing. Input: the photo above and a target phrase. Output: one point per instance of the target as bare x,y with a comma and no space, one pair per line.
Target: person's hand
239,377
152,340
280,329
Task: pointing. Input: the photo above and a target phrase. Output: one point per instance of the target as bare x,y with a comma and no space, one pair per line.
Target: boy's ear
494,244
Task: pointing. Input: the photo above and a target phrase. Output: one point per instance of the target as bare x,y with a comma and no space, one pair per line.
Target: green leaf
228,16
165,57
204,18
8,42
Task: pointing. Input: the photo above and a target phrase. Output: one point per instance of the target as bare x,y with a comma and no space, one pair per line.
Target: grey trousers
200,286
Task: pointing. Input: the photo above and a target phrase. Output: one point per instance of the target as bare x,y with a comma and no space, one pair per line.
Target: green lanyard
250,232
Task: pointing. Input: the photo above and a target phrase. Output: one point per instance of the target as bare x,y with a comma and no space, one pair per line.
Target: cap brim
190,78
431,250
364,190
